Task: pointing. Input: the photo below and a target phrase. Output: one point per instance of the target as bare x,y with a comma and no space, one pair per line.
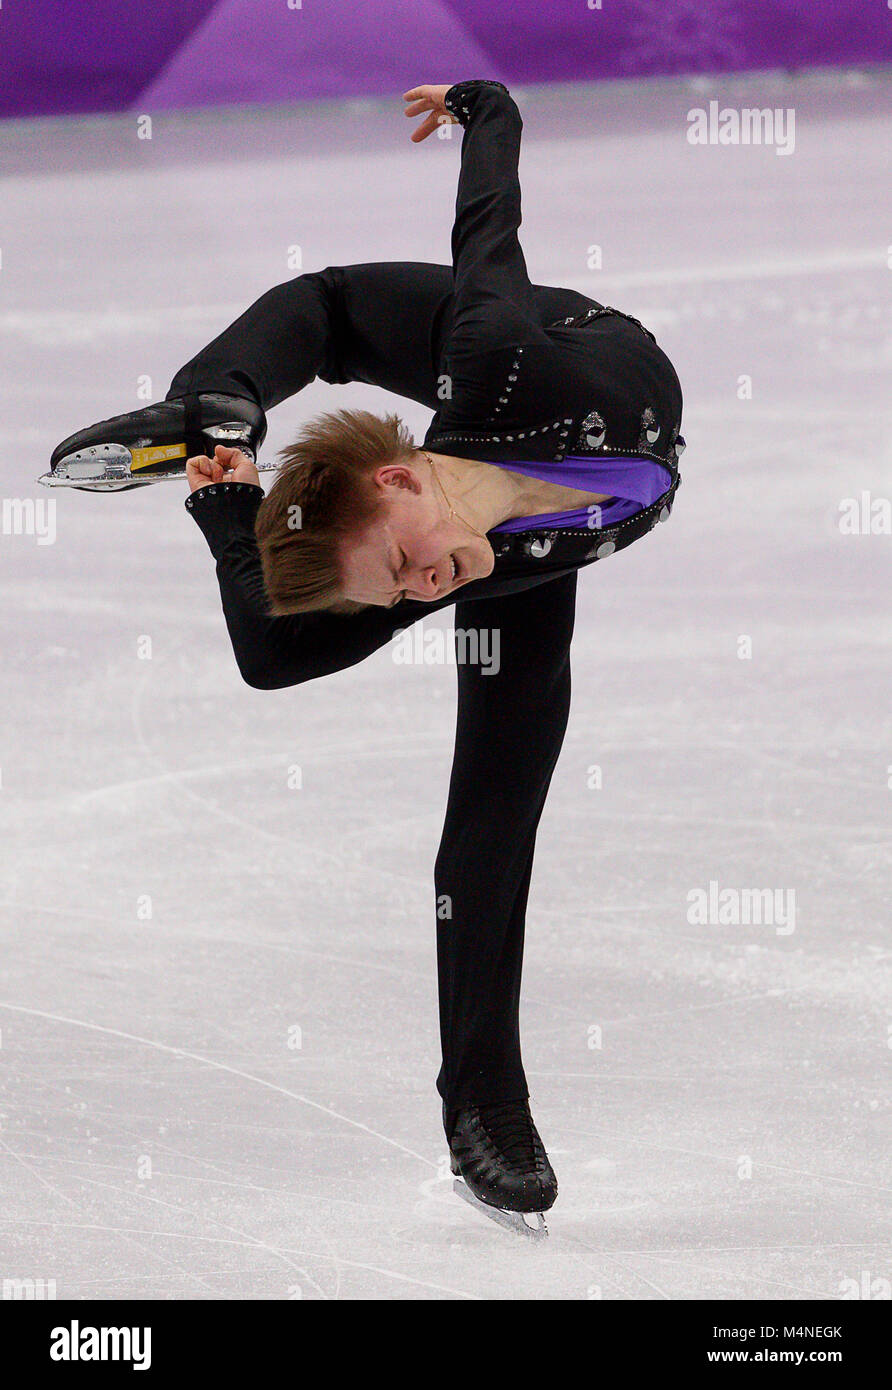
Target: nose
422,581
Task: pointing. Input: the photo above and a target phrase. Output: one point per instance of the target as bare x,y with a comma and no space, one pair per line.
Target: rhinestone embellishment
509,385
650,430
592,432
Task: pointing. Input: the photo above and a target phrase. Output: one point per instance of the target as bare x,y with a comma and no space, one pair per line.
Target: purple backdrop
109,55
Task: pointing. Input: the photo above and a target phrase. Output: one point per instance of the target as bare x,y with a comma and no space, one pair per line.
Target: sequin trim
461,93
592,432
650,428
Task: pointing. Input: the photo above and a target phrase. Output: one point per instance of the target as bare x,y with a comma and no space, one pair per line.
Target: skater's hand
227,466
428,99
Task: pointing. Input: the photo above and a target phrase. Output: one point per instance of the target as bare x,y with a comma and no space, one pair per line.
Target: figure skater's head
356,518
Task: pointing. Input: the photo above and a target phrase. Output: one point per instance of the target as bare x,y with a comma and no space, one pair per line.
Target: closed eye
401,560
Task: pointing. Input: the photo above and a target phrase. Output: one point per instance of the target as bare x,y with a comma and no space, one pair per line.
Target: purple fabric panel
631,483
618,509
105,55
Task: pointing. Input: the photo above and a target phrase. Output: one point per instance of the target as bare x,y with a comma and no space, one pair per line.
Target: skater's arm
493,300
276,652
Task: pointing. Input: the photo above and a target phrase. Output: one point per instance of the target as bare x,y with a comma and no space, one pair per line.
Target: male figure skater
554,443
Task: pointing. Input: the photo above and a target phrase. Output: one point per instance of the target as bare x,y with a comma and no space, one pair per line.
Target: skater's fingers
198,471
236,460
428,91
426,128
416,107
229,464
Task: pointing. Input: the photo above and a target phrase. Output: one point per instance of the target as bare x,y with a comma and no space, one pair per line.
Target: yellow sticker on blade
159,453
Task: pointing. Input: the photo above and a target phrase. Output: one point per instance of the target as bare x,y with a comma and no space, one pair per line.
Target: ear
397,475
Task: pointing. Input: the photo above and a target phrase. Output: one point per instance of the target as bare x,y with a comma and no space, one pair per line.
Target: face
412,550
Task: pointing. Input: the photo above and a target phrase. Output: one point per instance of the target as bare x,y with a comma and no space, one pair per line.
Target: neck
482,493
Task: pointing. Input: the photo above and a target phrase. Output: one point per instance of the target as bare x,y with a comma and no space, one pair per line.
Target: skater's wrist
462,97
224,510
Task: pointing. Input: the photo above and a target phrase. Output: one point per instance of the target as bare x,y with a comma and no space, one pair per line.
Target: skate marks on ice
185,1278
219,1066
571,1262
344,750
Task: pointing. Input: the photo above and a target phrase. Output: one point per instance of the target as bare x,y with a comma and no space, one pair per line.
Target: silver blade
530,1224
113,480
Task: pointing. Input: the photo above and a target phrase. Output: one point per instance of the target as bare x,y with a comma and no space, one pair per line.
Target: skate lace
511,1129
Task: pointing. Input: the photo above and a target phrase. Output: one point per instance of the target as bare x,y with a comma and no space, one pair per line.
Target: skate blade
529,1224
118,483
116,468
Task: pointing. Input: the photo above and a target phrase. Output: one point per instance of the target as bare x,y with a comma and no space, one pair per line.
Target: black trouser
386,323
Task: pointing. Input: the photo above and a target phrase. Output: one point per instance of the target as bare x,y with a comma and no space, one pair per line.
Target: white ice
161,1134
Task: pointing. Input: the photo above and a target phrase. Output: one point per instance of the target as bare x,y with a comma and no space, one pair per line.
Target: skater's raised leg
386,323
379,323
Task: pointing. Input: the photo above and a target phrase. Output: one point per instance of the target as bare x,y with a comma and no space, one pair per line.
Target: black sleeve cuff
225,512
462,96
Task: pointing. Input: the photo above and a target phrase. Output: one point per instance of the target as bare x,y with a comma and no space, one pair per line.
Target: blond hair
323,495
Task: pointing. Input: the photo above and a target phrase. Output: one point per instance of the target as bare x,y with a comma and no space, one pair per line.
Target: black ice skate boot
497,1151
152,444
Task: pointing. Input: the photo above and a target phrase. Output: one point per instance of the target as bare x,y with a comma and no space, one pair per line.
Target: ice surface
161,1134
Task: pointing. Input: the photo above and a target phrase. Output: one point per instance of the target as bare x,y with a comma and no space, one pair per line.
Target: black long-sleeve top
518,392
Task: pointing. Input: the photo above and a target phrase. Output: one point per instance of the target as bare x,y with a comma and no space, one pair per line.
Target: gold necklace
452,512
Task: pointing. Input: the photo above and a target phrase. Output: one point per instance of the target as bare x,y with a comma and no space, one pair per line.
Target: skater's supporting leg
509,733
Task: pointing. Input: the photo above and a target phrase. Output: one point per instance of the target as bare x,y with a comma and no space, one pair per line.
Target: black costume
534,371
